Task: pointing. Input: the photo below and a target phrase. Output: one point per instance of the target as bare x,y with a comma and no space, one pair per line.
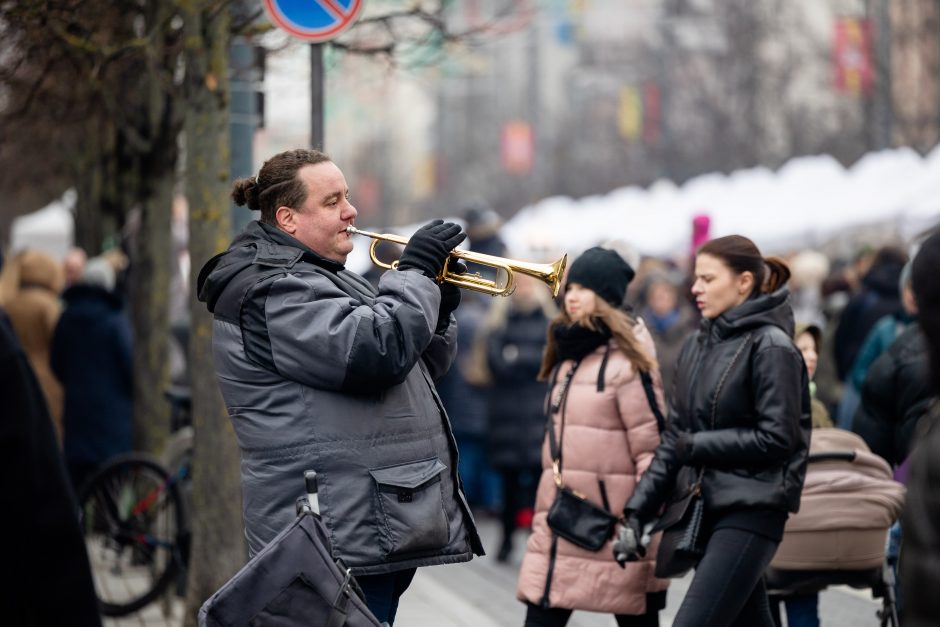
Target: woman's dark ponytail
778,273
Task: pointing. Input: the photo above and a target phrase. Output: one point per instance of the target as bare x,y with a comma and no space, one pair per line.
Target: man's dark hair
277,184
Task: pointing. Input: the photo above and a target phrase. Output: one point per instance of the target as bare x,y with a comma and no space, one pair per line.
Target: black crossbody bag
572,516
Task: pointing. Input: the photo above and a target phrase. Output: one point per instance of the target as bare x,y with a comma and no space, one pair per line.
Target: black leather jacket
895,395
753,439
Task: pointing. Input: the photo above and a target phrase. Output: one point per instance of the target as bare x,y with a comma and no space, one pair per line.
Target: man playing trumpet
320,371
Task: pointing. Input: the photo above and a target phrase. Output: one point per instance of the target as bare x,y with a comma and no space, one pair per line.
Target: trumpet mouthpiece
351,230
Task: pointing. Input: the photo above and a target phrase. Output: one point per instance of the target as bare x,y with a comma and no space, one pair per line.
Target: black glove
683,447
450,299
629,543
430,246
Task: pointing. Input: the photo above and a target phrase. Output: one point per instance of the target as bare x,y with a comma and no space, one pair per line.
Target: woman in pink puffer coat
610,434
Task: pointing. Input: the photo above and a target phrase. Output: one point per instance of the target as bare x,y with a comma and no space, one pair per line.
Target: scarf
574,341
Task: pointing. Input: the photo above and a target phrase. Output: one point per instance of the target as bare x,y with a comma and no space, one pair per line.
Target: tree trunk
218,548
150,280
149,288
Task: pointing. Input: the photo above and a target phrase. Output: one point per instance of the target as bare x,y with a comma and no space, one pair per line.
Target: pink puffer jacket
609,435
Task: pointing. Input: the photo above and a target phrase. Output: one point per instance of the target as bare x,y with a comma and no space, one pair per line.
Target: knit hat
604,272
100,273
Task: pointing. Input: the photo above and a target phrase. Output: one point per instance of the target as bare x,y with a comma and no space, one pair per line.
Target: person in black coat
91,355
895,395
878,298
509,354
739,424
48,579
920,552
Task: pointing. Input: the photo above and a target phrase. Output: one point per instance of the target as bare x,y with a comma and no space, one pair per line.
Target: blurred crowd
856,327
71,319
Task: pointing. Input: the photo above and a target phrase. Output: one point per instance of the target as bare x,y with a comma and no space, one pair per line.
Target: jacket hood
767,309
38,269
257,244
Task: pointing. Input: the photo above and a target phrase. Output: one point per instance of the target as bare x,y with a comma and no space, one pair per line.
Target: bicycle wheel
131,516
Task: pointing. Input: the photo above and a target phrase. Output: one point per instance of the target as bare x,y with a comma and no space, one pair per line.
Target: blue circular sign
313,20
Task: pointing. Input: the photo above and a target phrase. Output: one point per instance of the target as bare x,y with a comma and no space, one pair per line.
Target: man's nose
350,212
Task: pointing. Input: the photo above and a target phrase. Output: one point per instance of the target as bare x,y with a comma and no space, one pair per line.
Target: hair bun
778,275
245,192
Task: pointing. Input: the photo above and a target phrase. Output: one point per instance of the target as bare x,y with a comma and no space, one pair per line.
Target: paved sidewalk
482,594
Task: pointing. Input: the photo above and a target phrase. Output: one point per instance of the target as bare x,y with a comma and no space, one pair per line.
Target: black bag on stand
292,582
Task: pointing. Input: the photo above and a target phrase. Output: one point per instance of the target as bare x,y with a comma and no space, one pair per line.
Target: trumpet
504,284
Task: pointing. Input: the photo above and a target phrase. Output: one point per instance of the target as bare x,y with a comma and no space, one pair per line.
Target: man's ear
284,217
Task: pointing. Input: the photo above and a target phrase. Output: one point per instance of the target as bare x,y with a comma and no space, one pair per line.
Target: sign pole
316,96
314,21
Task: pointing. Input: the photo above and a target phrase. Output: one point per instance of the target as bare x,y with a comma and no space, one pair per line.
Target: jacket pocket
411,499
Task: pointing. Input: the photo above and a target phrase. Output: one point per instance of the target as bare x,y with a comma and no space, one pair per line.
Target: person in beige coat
609,437
29,291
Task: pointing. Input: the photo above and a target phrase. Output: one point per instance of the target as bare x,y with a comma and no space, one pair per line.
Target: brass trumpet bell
503,285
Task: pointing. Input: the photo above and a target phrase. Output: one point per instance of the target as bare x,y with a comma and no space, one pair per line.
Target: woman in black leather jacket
740,416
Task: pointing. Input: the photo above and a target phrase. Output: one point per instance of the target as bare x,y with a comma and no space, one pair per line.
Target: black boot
505,550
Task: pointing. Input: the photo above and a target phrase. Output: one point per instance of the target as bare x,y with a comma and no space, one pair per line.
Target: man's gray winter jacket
321,372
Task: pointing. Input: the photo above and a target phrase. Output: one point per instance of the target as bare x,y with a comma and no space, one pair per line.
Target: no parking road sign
314,20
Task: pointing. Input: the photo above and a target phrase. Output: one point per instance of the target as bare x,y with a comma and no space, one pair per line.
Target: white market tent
807,200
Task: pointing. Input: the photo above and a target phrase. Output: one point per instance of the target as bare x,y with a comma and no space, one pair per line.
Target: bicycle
134,516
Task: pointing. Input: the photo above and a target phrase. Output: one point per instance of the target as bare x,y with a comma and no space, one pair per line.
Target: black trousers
558,617
383,591
728,587
518,493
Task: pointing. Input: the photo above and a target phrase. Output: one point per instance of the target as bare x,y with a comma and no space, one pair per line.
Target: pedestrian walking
48,581
670,321
602,431
92,356
737,438
920,553
321,371
29,291
508,357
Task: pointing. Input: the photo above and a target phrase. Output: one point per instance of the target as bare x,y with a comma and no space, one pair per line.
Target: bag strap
553,552
559,403
721,384
724,377
651,399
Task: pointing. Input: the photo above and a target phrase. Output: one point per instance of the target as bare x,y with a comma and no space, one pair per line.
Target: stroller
292,582
849,502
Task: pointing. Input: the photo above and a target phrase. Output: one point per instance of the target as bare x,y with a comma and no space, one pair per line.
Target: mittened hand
628,541
430,246
683,447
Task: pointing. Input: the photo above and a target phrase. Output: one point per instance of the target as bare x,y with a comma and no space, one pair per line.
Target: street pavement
482,594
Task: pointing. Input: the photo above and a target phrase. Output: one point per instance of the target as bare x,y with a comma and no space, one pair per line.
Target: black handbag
579,521
571,516
683,543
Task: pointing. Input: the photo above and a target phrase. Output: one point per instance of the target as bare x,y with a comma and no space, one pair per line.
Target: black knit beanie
604,272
